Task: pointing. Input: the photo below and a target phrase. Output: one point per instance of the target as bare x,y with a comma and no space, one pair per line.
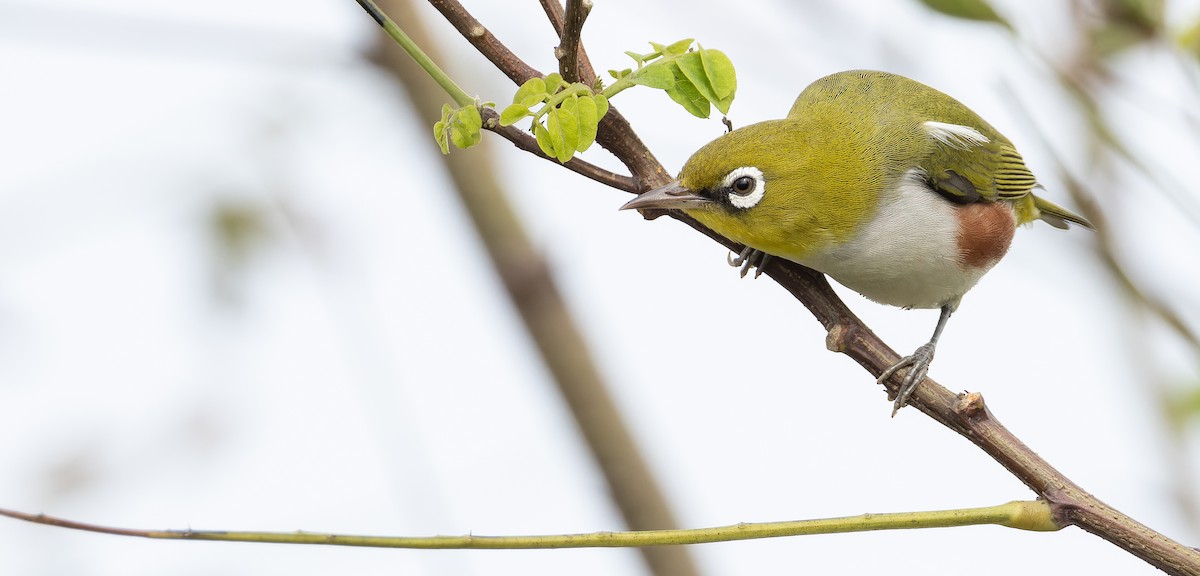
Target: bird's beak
673,195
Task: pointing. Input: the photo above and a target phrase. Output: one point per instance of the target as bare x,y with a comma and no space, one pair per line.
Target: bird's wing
967,166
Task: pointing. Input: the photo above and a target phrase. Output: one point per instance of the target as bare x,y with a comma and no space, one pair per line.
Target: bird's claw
918,365
749,257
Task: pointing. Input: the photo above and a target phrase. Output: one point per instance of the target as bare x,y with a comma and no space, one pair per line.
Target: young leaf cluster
696,79
460,126
566,117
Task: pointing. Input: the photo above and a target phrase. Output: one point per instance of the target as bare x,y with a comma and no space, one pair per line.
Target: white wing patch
954,135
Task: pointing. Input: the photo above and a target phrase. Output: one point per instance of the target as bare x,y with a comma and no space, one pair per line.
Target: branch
569,48
966,415
522,140
557,16
1022,515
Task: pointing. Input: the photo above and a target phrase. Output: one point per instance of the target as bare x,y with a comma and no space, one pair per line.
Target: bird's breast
918,250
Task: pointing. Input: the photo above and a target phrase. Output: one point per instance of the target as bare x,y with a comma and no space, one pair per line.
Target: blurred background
238,290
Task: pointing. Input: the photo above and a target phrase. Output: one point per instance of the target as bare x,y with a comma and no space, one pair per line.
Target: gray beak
673,195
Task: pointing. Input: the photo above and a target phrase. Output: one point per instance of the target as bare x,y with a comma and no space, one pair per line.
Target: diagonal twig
522,140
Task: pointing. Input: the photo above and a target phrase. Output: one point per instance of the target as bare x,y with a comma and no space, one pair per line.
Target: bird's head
773,186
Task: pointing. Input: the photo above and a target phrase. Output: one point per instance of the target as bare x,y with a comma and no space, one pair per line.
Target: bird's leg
747,258
918,362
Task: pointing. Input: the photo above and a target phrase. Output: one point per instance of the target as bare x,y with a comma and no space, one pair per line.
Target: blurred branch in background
531,287
1110,30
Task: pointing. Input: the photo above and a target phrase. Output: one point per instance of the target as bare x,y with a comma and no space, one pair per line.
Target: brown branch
570,51
966,415
531,288
557,16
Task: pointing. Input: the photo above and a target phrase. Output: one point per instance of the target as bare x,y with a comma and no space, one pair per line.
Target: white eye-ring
746,186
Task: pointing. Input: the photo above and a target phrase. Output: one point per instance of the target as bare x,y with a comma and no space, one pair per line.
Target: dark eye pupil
743,185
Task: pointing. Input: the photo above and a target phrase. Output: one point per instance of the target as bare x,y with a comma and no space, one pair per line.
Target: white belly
908,255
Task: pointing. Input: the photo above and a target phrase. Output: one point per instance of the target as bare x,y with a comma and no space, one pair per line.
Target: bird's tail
1056,215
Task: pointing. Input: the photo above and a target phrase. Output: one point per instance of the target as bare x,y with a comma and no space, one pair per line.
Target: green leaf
441,129
468,116
555,133
636,57
686,94
719,70
589,120
569,120
978,10
657,75
554,82
513,114
692,65
531,92
678,48
601,106
564,132
439,134
659,48
459,136
543,139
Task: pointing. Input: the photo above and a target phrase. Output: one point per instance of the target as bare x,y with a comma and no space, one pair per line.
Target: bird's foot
747,258
918,365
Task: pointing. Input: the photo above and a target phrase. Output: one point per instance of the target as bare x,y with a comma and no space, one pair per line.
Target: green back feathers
962,166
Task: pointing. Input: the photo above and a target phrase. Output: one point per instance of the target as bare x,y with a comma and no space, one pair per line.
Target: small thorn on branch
838,337
969,405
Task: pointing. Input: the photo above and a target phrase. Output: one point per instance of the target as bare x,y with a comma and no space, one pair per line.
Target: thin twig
522,140
459,96
1022,515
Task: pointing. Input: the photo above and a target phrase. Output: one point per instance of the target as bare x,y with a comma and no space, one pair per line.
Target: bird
890,187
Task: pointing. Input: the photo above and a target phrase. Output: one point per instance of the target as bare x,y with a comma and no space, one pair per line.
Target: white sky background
362,373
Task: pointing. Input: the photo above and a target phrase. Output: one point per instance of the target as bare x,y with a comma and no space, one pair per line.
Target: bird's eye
745,187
